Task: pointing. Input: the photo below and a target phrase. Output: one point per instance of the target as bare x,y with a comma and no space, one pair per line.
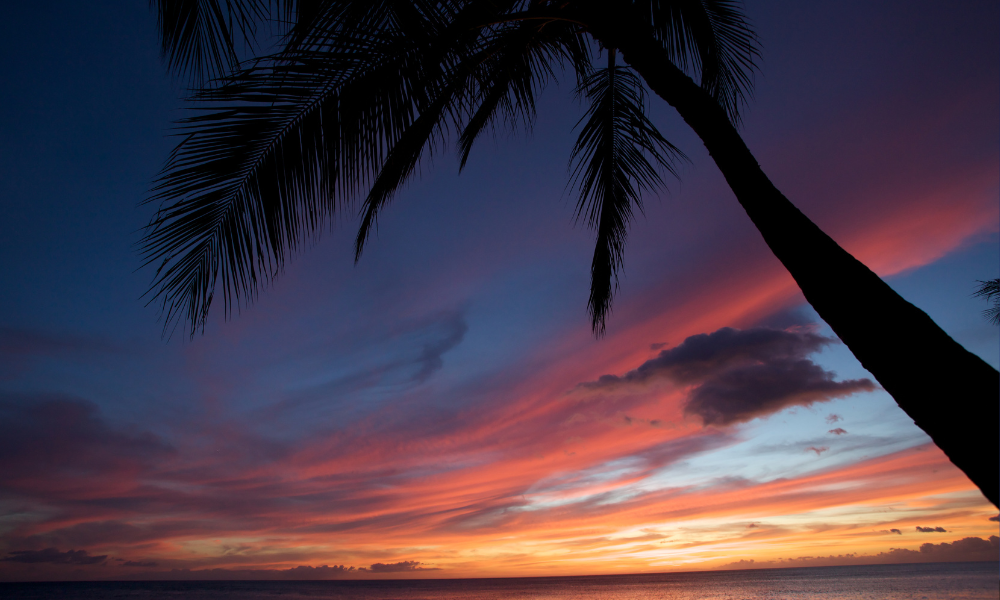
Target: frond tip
618,154
199,37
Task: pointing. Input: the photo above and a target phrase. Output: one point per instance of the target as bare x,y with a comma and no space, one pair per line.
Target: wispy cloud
54,556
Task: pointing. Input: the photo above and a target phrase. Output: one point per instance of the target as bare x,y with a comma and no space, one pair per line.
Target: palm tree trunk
950,393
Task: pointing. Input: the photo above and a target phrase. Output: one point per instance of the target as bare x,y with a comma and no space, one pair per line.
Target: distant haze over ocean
933,581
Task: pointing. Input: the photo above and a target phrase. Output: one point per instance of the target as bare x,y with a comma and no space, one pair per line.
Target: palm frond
990,291
261,170
199,38
449,72
519,64
713,39
618,155
402,159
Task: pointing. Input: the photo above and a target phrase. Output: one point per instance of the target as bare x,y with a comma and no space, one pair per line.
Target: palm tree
357,91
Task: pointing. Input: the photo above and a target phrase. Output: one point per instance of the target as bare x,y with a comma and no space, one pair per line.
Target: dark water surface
936,581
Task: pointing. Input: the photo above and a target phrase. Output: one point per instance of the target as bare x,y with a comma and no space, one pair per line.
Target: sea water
937,581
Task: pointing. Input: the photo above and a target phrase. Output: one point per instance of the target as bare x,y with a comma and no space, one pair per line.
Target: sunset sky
442,408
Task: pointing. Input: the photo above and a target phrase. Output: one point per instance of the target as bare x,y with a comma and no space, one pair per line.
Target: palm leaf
259,174
990,291
713,39
617,155
519,65
493,70
200,37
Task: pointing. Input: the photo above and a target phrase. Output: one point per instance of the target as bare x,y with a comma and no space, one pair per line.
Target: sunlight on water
883,582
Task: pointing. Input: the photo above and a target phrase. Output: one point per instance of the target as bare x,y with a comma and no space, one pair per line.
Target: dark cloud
451,332
996,518
970,549
302,572
833,418
48,439
299,573
737,375
100,533
932,530
896,531
53,556
321,572
755,390
406,565
838,431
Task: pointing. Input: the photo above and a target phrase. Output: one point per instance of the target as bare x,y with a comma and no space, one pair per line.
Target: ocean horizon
923,581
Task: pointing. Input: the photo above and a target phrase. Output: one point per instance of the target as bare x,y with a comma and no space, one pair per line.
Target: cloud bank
55,557
970,549
400,567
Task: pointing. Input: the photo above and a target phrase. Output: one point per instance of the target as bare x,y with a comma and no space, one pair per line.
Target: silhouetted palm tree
358,90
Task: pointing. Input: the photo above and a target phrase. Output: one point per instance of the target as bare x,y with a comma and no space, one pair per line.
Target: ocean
936,581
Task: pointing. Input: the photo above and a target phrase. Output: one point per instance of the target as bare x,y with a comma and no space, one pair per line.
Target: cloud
404,358
406,565
932,529
298,573
47,440
53,556
737,375
996,518
896,531
818,450
301,572
322,572
452,330
970,549
838,431
833,418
